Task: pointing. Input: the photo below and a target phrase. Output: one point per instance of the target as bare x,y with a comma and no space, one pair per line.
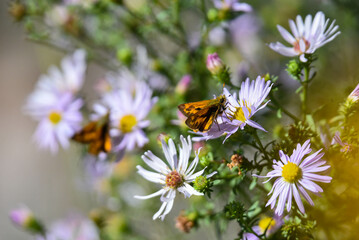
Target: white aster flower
239,111
295,175
69,79
232,5
59,118
173,175
306,36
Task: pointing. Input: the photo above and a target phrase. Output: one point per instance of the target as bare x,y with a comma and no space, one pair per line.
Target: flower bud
21,216
212,14
17,10
214,64
294,69
58,16
206,160
183,84
124,55
24,218
201,184
162,137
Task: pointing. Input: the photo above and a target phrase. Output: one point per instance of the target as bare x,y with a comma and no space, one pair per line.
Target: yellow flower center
297,46
266,223
239,114
55,117
127,123
346,148
291,172
174,179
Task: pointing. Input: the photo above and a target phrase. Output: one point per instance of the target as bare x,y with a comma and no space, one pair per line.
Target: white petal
151,195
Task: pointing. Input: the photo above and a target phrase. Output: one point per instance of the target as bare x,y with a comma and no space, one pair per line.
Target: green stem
260,145
304,95
279,106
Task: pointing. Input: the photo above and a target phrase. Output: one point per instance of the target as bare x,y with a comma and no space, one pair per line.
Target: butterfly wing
203,119
97,136
87,134
191,108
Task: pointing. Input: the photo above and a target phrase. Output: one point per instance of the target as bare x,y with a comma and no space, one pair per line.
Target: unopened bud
162,137
212,14
214,64
17,10
294,69
183,84
201,184
124,55
24,218
206,160
58,16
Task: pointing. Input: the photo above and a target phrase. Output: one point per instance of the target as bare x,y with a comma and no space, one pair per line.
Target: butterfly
201,115
96,134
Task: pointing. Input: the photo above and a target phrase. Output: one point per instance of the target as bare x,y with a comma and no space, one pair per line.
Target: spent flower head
307,36
174,174
295,175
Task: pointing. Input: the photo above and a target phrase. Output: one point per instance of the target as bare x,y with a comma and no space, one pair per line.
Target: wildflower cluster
156,98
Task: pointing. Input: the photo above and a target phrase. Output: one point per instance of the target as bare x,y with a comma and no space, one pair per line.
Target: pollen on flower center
174,179
266,223
291,172
55,117
127,123
296,45
239,114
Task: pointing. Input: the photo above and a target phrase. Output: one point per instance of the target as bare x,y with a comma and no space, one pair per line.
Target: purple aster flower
128,112
307,36
239,111
69,79
268,225
59,118
295,175
345,147
74,228
354,95
233,5
173,174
